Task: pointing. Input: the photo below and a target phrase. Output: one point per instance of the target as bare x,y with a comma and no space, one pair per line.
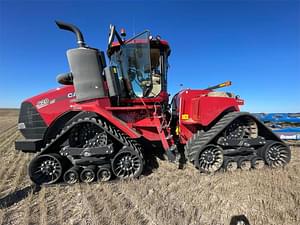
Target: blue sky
255,44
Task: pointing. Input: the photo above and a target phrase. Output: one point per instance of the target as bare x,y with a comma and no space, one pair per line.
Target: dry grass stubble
167,196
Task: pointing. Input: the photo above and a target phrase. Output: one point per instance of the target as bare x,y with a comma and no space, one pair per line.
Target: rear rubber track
201,140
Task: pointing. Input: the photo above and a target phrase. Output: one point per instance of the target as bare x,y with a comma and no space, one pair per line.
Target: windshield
136,64
141,67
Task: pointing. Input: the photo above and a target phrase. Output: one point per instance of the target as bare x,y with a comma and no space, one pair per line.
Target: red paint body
201,109
63,99
143,118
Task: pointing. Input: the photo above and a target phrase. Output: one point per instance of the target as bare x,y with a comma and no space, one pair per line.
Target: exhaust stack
86,65
74,29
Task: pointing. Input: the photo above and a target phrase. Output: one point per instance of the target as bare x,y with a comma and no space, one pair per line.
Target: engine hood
52,96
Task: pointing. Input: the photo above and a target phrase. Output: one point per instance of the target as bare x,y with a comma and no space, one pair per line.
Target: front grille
35,126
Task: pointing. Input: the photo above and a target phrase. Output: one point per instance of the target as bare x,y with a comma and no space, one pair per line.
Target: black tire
72,175
277,154
244,163
46,169
104,173
230,165
210,159
257,162
127,163
88,175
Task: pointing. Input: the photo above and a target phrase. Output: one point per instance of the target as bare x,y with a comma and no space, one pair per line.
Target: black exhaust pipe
85,68
74,29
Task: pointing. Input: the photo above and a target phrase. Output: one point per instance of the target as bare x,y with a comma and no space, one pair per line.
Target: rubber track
115,133
200,139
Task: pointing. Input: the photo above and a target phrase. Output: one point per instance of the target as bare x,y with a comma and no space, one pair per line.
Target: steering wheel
135,73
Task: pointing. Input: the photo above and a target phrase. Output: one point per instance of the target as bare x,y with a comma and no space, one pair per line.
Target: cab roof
154,43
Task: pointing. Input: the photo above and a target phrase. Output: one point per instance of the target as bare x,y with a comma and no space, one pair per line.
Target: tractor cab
140,65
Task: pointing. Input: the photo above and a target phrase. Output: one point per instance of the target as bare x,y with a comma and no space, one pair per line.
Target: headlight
21,126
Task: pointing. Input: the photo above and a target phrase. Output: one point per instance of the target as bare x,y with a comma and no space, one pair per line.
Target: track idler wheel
277,154
210,159
45,169
72,175
104,174
127,163
244,164
257,162
88,175
230,165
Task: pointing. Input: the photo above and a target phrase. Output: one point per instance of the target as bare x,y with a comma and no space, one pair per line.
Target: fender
97,106
59,123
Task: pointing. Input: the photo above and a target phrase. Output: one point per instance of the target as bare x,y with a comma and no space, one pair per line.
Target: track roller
127,163
257,162
230,165
277,154
88,175
244,164
104,173
210,159
72,175
46,169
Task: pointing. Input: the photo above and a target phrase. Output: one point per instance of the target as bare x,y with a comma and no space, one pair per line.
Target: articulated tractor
107,118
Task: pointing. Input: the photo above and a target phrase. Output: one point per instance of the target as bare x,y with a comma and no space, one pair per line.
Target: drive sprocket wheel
277,154
127,163
210,159
46,169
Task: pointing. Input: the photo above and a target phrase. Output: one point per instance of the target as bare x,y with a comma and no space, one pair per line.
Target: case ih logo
71,95
42,103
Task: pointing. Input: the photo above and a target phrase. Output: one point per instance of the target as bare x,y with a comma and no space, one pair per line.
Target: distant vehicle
291,133
279,117
284,125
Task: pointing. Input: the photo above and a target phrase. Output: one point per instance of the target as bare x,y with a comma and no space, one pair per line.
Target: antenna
133,25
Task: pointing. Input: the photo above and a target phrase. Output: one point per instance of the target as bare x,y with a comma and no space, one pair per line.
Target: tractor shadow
18,196
151,153
154,152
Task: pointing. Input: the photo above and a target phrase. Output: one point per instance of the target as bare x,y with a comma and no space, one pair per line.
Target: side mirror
112,34
112,31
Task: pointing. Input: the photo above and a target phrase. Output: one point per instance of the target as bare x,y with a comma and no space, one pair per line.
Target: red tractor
106,120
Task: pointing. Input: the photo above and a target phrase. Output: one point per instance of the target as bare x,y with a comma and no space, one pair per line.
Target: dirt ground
166,196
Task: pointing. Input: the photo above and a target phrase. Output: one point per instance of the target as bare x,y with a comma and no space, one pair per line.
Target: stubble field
166,196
